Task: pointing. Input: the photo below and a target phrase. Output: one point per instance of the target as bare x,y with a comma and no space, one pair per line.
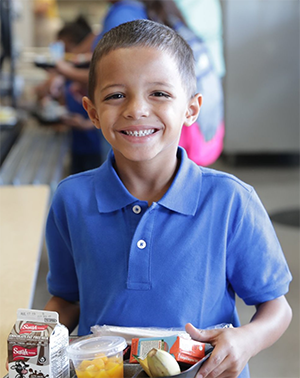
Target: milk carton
37,346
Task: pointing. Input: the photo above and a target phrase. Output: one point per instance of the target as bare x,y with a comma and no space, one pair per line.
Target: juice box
183,349
37,346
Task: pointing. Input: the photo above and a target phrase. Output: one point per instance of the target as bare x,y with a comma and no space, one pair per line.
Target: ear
91,111
193,109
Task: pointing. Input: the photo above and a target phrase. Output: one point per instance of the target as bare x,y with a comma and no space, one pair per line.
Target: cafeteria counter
37,157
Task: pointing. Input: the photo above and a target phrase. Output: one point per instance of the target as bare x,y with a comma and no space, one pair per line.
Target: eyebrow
110,86
162,83
156,83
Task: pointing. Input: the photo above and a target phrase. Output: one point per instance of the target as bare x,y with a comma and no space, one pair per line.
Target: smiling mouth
140,133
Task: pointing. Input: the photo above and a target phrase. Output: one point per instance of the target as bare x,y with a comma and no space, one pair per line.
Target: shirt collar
184,193
182,197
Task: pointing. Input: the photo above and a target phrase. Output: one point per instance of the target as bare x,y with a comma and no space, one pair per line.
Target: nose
136,108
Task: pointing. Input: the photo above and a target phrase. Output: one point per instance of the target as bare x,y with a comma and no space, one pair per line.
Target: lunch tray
136,371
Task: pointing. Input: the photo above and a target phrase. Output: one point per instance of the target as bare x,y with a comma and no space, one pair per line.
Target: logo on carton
19,352
21,368
30,327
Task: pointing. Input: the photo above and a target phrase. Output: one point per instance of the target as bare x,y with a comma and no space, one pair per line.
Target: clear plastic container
98,357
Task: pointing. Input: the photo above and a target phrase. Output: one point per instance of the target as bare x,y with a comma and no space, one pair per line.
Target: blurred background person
86,140
204,17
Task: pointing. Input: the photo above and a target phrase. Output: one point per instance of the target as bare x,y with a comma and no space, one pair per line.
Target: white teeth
140,133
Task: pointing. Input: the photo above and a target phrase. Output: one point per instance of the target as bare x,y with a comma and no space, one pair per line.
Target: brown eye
114,96
160,94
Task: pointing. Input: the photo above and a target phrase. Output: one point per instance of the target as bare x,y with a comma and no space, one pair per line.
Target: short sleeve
256,267
62,277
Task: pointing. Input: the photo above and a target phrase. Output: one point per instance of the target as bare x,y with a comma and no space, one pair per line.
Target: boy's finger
214,364
194,332
200,334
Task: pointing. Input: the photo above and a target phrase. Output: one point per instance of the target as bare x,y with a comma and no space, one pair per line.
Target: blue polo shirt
180,260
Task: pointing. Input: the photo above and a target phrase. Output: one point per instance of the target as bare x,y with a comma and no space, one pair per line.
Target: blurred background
260,79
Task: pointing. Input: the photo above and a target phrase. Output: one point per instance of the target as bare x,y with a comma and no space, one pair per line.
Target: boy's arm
68,311
69,71
235,346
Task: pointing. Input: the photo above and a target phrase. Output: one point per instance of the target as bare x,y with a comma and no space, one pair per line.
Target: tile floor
278,187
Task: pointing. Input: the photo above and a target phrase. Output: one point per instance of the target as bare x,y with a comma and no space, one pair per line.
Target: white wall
24,23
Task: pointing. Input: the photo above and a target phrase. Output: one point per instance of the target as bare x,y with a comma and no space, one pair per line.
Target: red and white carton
37,346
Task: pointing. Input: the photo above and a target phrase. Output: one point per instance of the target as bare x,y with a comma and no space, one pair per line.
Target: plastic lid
90,347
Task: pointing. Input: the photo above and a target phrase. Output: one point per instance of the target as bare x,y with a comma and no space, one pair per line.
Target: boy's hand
231,351
233,347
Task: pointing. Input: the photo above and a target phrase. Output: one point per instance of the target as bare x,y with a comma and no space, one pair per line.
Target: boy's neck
145,180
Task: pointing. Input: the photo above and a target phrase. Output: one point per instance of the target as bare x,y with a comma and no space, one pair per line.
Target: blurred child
86,144
73,35
150,238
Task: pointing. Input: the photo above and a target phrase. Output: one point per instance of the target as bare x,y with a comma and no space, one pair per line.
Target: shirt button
136,209
141,244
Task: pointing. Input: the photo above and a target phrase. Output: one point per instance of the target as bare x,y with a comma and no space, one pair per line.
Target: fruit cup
98,357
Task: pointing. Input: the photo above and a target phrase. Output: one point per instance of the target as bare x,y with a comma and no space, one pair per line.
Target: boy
150,238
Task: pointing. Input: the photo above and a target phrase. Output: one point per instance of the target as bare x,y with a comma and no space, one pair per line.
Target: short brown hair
146,33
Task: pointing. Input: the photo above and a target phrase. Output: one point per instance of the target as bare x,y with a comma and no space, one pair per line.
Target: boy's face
140,103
